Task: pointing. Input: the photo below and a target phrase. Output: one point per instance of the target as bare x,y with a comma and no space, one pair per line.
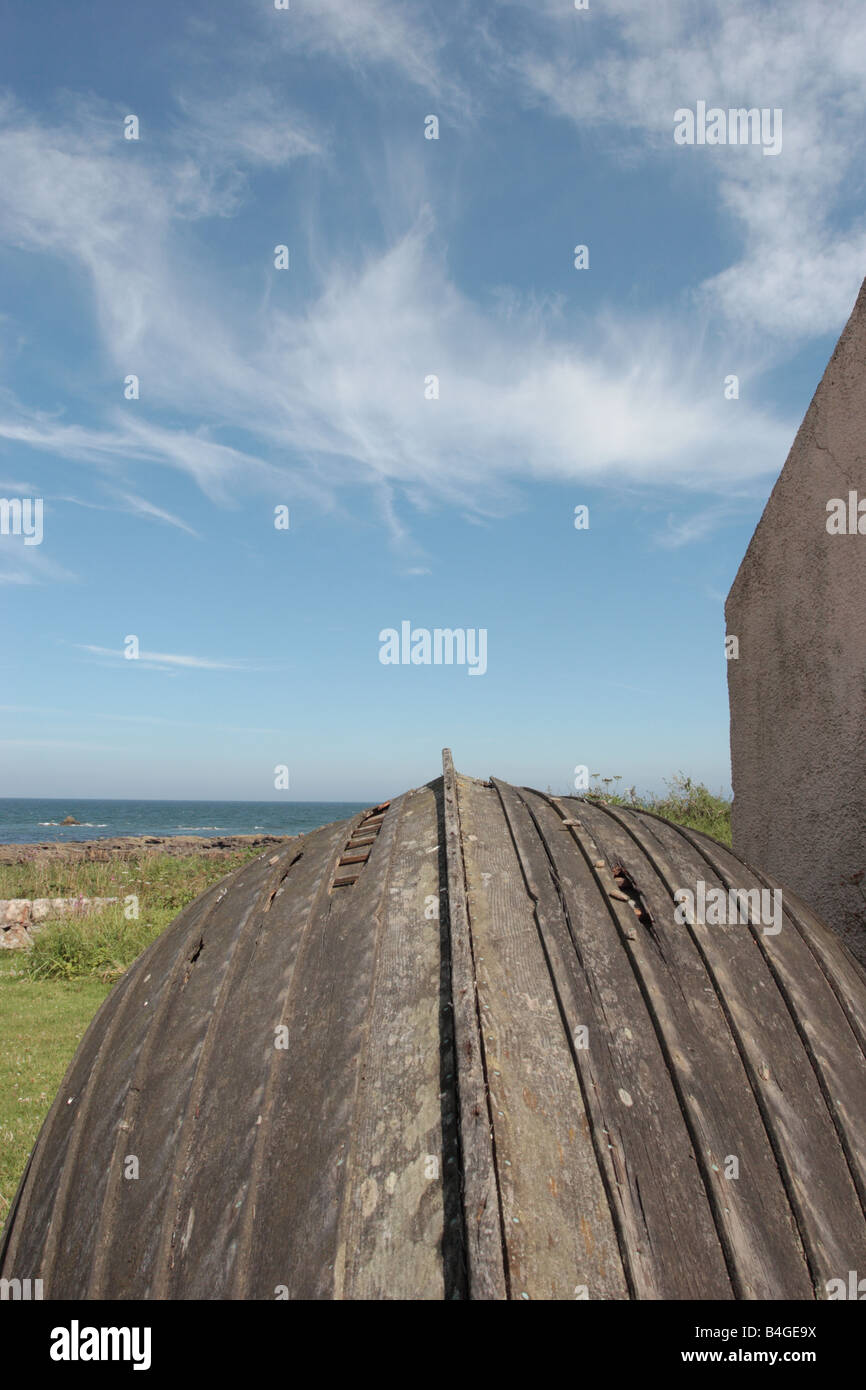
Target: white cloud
168,660
331,394
26,489
405,36
688,530
247,126
25,565
799,254
136,506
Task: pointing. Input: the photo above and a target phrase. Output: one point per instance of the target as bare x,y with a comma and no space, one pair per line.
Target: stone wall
21,917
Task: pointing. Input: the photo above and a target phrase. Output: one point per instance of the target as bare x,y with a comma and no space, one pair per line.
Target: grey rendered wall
798,690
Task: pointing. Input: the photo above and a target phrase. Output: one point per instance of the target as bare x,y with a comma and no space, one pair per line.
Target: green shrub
103,944
687,803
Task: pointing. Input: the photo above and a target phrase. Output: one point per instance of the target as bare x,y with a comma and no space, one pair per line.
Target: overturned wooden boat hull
472,1044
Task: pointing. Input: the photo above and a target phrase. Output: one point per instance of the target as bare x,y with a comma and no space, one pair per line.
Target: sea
26,820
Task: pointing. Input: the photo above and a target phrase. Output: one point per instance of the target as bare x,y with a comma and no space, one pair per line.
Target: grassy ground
49,994
151,889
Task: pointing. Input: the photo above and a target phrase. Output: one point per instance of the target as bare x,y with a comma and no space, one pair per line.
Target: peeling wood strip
488,1277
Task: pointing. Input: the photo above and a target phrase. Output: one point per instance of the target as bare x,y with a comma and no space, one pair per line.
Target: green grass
49,994
41,1024
688,803
103,944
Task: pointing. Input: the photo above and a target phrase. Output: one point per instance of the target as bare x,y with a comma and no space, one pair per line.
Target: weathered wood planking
461,1046
392,1220
826,1135
751,1213
669,1236
485,1256
556,1219
811,1159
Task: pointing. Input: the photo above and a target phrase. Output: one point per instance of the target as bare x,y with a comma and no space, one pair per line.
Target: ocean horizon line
204,800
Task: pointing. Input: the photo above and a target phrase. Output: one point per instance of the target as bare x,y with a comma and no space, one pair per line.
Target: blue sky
305,387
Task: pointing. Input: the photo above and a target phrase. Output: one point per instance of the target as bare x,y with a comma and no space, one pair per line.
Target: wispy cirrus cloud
24,489
406,38
798,252
22,565
167,661
688,530
329,391
340,381
247,127
133,506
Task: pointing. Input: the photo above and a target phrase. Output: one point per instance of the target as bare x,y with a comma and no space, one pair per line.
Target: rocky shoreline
126,846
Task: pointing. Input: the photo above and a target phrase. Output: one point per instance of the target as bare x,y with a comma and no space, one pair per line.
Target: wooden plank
81,1172
290,1235
203,1242
392,1217
842,971
668,1238
835,1051
560,1236
752,1212
484,1247
360,858
844,974
162,1089
812,1164
41,1202
832,1048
